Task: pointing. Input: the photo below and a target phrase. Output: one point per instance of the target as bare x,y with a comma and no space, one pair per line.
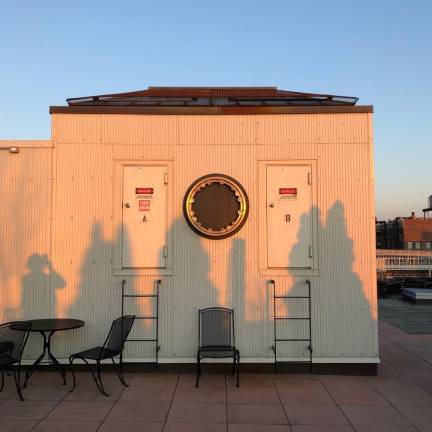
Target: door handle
271,205
127,205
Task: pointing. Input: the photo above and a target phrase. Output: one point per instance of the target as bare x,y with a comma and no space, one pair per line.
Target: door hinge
165,251
166,178
310,251
309,178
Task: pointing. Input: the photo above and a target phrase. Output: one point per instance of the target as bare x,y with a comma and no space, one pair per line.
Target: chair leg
17,379
119,371
198,370
234,364
99,382
71,359
238,368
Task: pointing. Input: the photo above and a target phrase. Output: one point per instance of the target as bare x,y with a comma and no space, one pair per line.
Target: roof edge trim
244,110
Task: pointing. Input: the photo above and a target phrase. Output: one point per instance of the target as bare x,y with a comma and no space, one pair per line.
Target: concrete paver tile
419,416
354,392
197,413
256,414
253,395
374,416
195,427
139,412
27,410
17,426
80,410
315,415
258,428
110,426
321,428
148,393
385,429
310,392
67,426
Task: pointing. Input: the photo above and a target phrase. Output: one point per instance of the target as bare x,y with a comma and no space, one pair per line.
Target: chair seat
97,353
217,352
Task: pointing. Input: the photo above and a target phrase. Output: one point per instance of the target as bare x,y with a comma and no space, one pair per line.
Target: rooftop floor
409,317
399,399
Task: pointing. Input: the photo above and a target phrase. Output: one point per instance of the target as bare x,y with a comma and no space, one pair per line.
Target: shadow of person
39,286
96,289
183,296
340,310
347,308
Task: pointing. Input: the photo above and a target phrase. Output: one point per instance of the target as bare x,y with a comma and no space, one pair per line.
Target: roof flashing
213,96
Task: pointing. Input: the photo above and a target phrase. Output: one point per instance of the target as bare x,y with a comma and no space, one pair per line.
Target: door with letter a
144,216
289,213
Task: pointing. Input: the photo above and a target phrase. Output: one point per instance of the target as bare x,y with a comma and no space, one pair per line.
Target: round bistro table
47,327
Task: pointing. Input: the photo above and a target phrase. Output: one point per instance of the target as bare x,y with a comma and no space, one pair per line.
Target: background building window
410,245
417,245
428,245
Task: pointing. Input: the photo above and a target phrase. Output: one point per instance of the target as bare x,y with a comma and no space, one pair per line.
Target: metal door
289,208
144,215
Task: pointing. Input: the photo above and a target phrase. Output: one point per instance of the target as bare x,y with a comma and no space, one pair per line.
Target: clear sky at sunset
380,51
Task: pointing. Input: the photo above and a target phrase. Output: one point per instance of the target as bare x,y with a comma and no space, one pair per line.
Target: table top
54,324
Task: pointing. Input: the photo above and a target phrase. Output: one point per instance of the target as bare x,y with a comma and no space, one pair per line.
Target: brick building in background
412,232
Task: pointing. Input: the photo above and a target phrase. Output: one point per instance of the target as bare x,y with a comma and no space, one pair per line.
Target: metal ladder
305,318
154,317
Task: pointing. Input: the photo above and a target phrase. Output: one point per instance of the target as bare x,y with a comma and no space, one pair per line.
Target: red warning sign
143,191
288,193
144,205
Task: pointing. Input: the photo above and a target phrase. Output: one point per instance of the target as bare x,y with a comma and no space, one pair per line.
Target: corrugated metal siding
216,272
25,272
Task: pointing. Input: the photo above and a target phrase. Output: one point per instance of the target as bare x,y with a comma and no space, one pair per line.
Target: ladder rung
146,317
292,297
293,340
288,318
138,295
141,340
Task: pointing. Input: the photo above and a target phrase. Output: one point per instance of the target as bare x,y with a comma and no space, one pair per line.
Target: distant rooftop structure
213,96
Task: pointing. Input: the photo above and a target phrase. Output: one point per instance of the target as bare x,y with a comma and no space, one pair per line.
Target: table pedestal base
46,358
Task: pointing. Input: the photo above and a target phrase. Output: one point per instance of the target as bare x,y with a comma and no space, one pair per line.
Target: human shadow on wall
339,304
338,300
98,298
190,290
39,288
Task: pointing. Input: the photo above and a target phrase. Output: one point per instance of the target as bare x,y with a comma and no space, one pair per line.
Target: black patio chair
216,338
112,347
13,338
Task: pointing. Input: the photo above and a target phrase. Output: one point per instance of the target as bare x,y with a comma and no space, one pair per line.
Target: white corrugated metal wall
25,191
222,272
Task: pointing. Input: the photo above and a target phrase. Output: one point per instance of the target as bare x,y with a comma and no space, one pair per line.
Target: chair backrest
17,333
119,332
216,327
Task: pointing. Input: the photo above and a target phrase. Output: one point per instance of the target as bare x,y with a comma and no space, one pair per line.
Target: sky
379,51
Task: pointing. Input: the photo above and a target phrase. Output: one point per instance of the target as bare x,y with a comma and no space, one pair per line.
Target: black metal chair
112,347
216,338
13,338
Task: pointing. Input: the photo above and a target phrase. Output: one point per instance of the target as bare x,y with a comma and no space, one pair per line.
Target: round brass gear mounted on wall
216,206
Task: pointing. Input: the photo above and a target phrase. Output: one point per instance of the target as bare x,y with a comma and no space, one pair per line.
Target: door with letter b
144,216
288,216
